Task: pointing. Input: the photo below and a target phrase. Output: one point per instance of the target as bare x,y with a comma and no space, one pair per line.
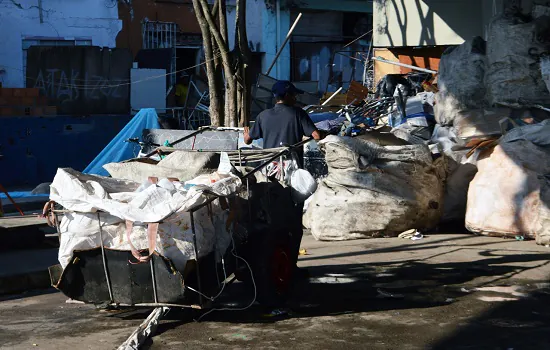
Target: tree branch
213,28
213,84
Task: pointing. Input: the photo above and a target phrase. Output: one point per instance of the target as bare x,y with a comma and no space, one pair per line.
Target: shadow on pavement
521,324
400,285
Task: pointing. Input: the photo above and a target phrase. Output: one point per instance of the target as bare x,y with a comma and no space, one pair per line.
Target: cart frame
240,156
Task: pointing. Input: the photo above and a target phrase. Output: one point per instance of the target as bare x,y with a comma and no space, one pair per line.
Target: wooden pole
11,200
284,44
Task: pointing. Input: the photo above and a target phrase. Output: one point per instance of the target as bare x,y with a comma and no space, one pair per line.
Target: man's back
282,124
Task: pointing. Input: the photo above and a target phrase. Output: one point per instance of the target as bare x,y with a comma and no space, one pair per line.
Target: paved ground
443,292
17,262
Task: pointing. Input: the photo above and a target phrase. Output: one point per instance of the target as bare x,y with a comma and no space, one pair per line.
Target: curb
25,282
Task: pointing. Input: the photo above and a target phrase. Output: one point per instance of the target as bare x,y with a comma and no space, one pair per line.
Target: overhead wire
127,82
122,82
108,86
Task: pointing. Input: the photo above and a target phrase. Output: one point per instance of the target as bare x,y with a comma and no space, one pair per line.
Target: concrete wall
436,22
426,22
261,27
254,28
337,5
28,143
270,44
150,89
88,19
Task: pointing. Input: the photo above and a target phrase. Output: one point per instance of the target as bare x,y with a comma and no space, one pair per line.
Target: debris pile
510,194
481,143
121,214
401,185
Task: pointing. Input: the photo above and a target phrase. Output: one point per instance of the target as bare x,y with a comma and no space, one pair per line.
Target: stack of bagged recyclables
92,199
510,194
487,90
374,191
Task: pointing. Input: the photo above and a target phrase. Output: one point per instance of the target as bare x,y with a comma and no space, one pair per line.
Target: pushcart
264,223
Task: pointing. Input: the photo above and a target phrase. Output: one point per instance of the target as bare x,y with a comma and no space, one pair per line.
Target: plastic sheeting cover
117,150
510,195
119,200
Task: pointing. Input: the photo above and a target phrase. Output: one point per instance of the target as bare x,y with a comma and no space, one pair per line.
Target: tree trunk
213,24
230,93
219,83
244,58
213,87
230,98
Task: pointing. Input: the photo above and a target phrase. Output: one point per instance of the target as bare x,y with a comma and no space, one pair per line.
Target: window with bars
28,42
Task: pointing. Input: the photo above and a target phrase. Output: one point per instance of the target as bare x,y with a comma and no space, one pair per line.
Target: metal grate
161,35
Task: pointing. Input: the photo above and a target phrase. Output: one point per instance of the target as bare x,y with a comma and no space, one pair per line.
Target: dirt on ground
442,292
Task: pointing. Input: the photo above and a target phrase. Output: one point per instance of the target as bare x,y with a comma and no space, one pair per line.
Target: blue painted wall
281,70
34,147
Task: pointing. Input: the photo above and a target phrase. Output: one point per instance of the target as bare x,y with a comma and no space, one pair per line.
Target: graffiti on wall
57,84
82,80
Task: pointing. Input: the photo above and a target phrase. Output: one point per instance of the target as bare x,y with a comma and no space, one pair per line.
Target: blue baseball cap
283,87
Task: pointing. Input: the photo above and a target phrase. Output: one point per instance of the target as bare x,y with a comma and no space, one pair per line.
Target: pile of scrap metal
487,124
401,112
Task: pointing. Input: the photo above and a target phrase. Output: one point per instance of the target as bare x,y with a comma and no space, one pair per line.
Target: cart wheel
274,268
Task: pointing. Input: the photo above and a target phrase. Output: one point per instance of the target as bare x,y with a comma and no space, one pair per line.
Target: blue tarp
23,194
117,150
319,117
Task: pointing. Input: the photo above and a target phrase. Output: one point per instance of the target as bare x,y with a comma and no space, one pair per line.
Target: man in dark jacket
285,124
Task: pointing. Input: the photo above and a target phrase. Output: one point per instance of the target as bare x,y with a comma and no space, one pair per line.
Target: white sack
480,123
85,195
513,75
461,80
545,71
182,165
373,190
303,185
456,190
73,191
509,196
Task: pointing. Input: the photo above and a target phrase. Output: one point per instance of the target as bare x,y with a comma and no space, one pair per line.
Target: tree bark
209,54
230,93
244,56
230,96
234,65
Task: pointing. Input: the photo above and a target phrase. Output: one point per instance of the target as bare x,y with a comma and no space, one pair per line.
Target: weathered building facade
417,31
436,22
313,54
26,23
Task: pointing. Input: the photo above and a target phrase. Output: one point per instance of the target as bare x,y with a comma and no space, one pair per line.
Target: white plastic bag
303,185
